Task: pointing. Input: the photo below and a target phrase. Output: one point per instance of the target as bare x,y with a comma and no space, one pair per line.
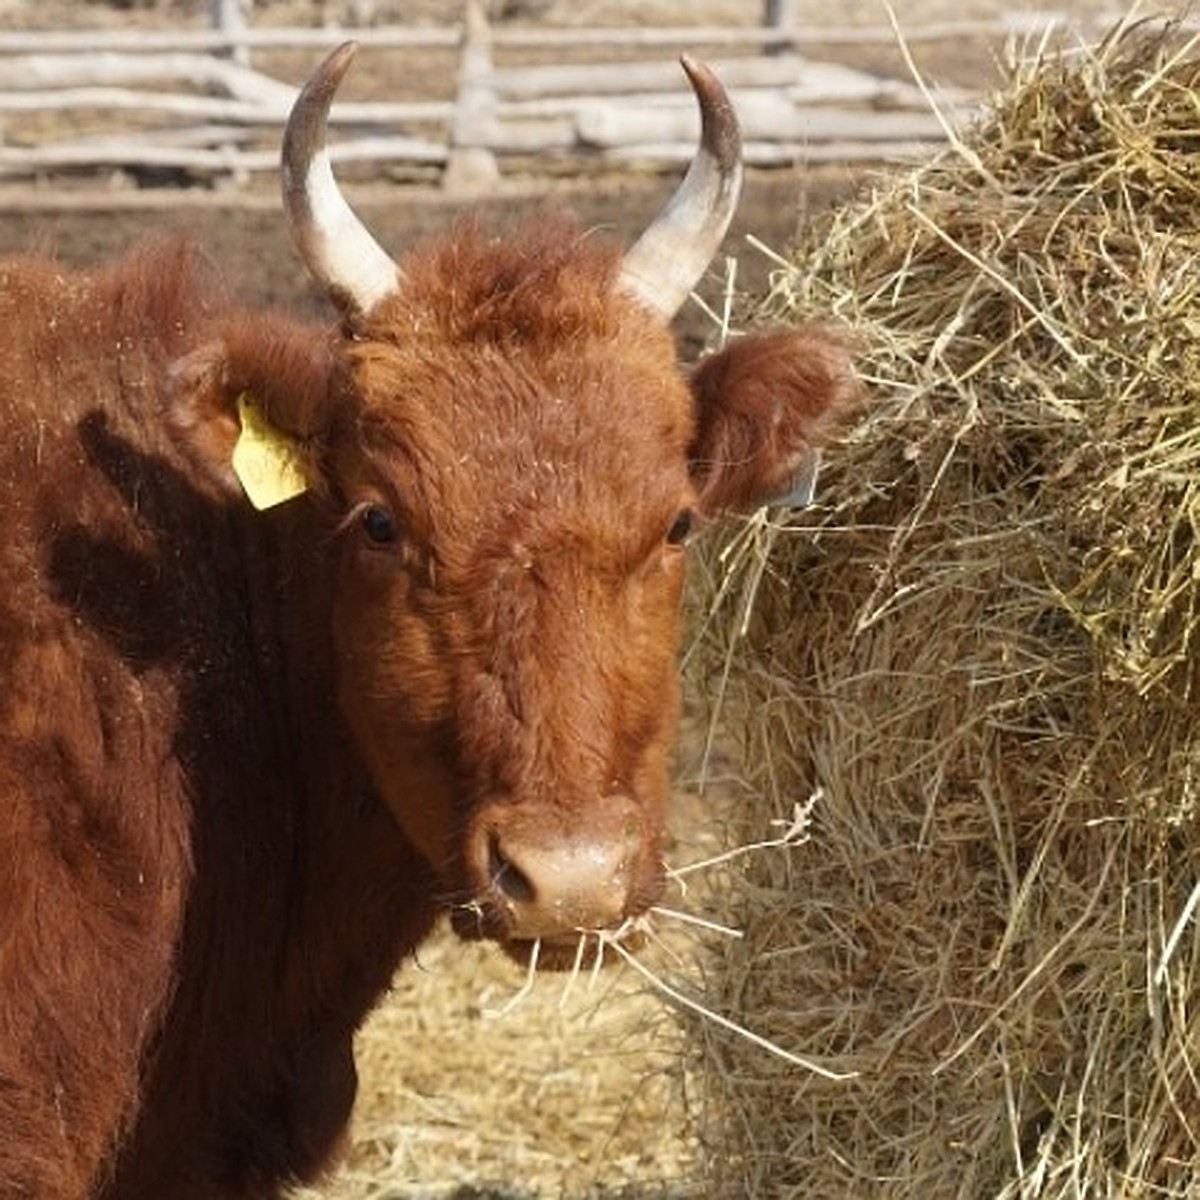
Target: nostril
507,878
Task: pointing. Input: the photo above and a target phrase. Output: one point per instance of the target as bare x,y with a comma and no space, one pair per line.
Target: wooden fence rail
188,106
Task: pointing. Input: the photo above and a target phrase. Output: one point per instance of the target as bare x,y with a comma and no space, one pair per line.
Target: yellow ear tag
265,461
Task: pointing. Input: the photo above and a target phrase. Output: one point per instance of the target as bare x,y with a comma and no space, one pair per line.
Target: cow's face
513,465
515,477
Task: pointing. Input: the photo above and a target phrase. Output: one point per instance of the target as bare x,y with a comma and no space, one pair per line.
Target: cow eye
681,528
378,524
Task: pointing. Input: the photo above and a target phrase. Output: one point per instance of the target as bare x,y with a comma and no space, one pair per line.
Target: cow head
510,464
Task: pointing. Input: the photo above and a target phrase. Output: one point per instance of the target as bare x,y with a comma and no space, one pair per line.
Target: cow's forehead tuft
540,284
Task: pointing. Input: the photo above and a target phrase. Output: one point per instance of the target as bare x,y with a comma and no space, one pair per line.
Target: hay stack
983,648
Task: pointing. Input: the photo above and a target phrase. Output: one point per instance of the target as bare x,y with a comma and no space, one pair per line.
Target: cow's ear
765,405
248,407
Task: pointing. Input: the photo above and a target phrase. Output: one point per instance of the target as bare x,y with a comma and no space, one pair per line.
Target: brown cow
248,756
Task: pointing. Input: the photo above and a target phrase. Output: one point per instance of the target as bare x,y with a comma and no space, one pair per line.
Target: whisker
741,1031
453,898
522,993
694,919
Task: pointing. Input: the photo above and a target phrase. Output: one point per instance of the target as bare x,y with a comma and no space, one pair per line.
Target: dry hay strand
473,1086
980,649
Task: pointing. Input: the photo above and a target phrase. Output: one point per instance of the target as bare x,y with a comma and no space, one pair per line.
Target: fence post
780,13
471,165
779,16
229,18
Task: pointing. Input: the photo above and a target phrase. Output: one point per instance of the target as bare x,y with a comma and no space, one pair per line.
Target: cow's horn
336,246
667,261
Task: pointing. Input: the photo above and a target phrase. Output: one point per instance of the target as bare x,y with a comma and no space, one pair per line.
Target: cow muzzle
540,877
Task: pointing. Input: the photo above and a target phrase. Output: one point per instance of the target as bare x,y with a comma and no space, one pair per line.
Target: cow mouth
566,950
580,950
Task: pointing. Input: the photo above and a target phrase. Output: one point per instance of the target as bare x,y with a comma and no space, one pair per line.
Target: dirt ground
463,1096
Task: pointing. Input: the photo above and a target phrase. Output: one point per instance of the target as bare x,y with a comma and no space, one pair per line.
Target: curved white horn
668,260
335,245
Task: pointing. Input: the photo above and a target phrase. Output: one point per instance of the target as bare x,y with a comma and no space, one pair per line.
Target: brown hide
247,757
181,962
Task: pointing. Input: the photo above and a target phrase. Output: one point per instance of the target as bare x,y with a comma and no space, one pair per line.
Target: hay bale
982,648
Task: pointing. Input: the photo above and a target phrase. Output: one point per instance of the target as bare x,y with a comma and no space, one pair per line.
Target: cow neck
309,868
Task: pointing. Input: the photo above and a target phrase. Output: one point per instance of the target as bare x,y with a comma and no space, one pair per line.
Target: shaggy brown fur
247,757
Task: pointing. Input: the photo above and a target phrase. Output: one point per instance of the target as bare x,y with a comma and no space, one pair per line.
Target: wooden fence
149,107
